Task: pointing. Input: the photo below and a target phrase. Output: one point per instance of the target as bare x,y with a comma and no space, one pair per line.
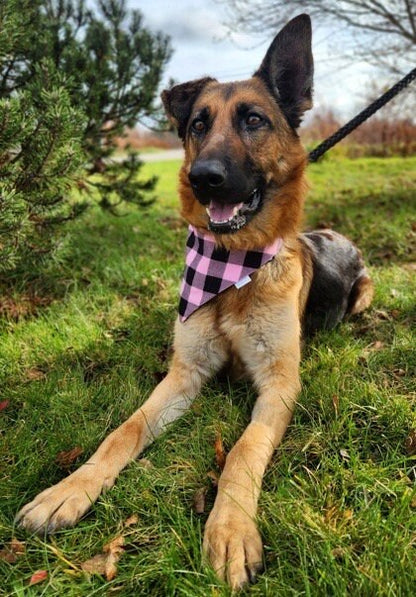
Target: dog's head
243,168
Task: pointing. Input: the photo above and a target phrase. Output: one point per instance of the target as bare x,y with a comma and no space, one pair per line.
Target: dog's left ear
179,100
287,68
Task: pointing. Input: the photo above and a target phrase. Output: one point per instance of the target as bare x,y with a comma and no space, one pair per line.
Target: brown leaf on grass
338,553
4,404
145,463
198,501
410,443
12,551
132,520
67,457
213,477
96,564
105,563
220,455
34,374
22,306
377,345
335,403
38,576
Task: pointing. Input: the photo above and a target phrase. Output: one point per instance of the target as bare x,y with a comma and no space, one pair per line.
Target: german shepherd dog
242,186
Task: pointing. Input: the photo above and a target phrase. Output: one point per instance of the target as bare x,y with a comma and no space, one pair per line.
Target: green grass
338,510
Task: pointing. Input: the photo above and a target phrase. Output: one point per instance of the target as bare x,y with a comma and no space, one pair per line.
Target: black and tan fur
240,141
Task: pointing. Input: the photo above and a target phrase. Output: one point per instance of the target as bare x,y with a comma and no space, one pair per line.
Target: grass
82,346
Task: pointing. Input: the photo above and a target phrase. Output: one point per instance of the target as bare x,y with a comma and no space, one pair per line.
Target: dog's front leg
64,503
232,542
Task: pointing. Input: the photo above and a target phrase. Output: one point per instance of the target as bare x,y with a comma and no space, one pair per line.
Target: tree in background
73,76
383,31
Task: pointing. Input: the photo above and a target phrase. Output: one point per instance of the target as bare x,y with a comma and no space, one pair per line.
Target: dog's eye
253,120
198,126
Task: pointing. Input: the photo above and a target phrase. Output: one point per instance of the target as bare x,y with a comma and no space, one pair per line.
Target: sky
203,45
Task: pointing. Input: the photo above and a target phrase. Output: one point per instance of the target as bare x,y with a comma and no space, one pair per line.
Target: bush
71,80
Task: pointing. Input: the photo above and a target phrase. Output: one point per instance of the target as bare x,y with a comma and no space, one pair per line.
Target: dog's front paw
233,546
63,504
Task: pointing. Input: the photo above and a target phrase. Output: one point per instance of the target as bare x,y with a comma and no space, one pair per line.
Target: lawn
82,346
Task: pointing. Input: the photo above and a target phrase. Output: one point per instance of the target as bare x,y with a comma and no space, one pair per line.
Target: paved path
161,156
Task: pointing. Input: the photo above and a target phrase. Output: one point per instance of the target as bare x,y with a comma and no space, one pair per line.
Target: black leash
345,130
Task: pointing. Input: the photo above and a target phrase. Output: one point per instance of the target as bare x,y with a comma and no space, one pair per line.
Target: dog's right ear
179,100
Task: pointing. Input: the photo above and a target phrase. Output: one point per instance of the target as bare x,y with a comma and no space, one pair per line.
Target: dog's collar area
210,270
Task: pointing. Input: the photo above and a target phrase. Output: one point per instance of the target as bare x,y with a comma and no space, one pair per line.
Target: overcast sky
203,45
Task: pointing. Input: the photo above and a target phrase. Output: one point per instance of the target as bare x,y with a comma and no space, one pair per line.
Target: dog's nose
209,173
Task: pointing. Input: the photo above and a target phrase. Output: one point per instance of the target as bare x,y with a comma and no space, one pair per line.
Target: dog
252,288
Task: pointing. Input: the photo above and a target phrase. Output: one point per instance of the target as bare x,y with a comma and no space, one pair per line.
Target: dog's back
339,282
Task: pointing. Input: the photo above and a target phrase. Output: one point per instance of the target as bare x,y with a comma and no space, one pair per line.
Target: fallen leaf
133,519
34,374
377,345
12,551
198,502
335,403
410,443
145,463
38,576
382,314
338,552
95,565
4,404
344,454
213,477
220,455
105,563
68,457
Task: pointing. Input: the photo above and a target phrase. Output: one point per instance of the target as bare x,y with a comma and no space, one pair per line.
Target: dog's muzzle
221,191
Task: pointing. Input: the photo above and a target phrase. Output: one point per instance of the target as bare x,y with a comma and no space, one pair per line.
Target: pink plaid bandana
210,269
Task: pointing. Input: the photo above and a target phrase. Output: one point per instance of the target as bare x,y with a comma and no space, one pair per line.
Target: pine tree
73,76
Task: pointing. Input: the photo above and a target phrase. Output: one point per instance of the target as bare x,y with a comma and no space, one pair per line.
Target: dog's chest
253,318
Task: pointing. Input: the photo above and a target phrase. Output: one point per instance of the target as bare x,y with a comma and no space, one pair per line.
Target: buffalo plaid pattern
210,269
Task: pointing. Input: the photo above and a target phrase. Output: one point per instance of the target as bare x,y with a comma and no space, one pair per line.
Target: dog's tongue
220,212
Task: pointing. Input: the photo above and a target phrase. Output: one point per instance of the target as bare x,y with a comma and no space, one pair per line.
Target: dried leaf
377,345
344,454
68,457
220,455
132,520
145,463
34,374
12,551
95,565
115,546
198,502
338,552
335,403
410,443
4,404
106,563
213,477
38,576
